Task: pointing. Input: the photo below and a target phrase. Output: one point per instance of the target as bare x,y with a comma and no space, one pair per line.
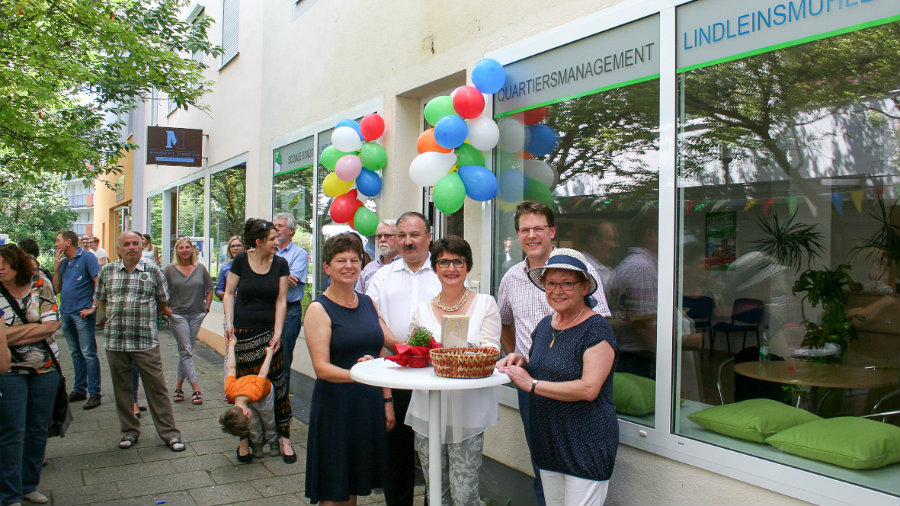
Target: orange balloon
427,142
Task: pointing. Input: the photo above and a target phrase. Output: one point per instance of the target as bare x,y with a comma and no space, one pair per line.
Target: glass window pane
226,213
787,188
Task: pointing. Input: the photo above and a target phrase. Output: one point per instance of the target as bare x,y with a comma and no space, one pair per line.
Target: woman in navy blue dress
346,453
574,432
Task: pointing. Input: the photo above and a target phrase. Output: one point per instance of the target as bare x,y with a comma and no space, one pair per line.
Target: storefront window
293,190
155,205
190,212
594,160
226,213
788,221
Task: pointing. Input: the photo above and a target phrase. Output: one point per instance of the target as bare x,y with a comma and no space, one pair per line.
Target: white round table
384,373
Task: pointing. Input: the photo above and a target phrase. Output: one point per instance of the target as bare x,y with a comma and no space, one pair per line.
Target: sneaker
92,402
36,497
76,396
274,448
257,451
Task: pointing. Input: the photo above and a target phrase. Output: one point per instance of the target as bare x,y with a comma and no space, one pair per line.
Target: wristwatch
534,383
388,399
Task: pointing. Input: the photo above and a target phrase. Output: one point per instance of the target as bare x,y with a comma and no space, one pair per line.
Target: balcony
76,201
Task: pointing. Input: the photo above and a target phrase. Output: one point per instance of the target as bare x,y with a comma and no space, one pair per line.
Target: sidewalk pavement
87,467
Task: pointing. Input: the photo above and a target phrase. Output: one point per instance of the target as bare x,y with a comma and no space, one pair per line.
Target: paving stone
221,445
127,472
182,498
156,485
281,500
94,460
59,479
280,485
74,495
238,493
160,451
243,472
277,466
199,462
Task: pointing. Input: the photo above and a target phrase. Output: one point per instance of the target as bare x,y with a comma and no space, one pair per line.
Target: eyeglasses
567,286
536,230
384,236
445,263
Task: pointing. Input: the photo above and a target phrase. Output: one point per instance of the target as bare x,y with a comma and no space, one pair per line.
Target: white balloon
483,133
513,135
541,171
429,167
346,139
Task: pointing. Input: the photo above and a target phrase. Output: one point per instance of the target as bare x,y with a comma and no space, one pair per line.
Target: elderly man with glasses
386,243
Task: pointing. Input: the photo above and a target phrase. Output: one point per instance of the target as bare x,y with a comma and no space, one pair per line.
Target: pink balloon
371,126
348,167
468,101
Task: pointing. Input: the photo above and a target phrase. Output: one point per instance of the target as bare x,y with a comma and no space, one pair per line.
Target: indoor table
385,373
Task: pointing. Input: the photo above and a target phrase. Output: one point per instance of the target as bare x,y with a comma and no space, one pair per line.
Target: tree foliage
71,69
37,211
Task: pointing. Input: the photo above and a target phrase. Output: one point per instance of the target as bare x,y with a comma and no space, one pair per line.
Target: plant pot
417,361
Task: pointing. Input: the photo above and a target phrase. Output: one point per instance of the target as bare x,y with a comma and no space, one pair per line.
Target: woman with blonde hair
235,246
150,253
190,291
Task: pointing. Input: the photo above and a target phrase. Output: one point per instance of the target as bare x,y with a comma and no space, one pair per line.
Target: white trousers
566,490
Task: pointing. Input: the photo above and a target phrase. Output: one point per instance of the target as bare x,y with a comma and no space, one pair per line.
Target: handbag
61,417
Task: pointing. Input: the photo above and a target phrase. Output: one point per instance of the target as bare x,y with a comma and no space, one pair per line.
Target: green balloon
373,156
536,190
468,154
330,156
365,221
437,108
449,193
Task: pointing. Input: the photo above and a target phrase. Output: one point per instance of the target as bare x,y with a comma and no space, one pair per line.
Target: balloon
451,131
348,167
429,167
541,140
437,108
426,142
535,190
371,127
346,139
541,171
368,183
343,207
467,154
512,135
488,76
350,123
373,156
468,102
330,156
483,133
449,193
511,185
364,221
535,116
333,186
479,182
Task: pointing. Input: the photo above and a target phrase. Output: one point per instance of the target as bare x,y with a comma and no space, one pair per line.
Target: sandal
197,397
176,445
179,395
127,442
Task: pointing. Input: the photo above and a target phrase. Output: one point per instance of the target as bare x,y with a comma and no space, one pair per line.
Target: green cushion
633,395
753,419
845,441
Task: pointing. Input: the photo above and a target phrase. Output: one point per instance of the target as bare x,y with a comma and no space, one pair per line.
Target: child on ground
252,418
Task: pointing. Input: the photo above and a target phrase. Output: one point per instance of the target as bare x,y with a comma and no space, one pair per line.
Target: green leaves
788,242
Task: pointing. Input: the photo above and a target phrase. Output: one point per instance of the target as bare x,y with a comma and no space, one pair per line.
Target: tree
37,211
67,67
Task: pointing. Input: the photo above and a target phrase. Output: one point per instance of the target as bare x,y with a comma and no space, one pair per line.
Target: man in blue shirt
298,260
74,275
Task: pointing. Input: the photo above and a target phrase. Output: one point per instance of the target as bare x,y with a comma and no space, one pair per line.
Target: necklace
458,305
342,303
557,334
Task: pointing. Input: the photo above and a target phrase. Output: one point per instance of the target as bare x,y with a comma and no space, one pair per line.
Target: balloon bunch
451,154
354,157
522,140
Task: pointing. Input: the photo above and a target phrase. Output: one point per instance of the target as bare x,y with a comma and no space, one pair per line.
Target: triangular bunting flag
749,205
792,204
719,205
767,205
857,198
879,191
837,200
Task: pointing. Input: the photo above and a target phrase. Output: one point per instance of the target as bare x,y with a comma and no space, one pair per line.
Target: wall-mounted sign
175,146
712,30
294,156
627,54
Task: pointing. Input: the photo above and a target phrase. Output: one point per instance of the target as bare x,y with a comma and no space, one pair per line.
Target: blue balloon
488,76
541,140
451,131
352,124
512,185
480,183
368,183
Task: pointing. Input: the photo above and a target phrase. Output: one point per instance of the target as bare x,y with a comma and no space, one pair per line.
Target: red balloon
427,142
371,127
343,207
535,116
468,101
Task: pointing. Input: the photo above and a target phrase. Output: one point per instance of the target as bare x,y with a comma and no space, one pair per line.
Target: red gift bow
405,352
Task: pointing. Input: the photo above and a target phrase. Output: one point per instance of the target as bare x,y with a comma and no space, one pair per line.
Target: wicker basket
464,362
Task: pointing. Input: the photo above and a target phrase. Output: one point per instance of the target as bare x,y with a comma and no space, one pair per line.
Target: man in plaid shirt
134,293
